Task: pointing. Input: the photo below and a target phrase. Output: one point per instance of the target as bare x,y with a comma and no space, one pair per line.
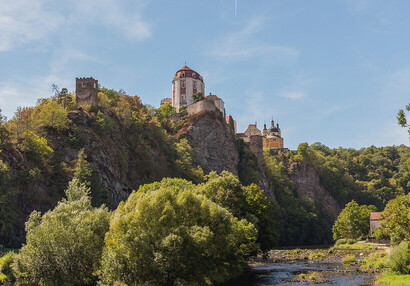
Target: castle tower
86,90
186,82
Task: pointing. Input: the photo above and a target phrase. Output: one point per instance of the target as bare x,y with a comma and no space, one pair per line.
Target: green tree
248,203
164,114
172,236
5,133
82,169
53,115
64,246
198,96
396,218
36,147
353,222
401,118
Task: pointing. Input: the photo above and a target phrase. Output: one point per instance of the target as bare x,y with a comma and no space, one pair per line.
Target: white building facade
186,82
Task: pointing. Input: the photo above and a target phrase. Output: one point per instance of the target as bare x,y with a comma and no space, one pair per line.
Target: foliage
231,123
303,221
164,113
353,221
375,262
36,147
357,246
401,118
7,273
399,258
183,161
172,236
349,259
388,279
244,202
53,115
198,96
105,124
396,218
64,245
248,163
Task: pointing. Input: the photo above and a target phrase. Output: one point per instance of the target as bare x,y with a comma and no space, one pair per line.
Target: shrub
7,273
349,259
399,258
316,256
172,236
64,245
302,276
36,146
312,277
105,124
52,115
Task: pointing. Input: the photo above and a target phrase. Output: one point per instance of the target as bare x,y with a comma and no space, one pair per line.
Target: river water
282,272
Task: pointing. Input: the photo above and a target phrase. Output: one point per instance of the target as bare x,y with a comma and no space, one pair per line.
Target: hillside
128,144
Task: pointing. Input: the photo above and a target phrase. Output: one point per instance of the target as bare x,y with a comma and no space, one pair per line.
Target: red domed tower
186,82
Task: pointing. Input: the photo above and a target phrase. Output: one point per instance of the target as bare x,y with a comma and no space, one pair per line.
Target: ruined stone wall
203,105
86,91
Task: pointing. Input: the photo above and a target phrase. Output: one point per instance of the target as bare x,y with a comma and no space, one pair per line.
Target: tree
396,218
248,203
4,131
353,222
53,115
82,170
401,118
64,246
198,96
164,114
172,236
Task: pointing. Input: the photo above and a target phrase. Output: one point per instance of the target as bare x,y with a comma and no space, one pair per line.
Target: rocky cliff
213,142
307,182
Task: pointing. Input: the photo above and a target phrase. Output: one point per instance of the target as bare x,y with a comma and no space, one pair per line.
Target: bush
64,245
349,259
36,147
172,236
7,273
399,259
105,124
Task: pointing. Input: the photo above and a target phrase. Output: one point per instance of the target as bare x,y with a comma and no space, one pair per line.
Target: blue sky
334,72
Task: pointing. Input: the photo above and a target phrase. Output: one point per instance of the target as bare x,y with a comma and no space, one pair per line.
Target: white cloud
24,21
293,94
111,13
244,44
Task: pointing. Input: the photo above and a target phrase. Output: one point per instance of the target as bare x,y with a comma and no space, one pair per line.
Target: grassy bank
388,279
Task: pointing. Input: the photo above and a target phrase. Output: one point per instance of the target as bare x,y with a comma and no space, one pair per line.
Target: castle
271,137
185,84
86,91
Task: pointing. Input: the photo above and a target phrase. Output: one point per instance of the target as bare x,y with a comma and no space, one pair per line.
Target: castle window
183,84
95,85
194,84
83,85
193,75
183,74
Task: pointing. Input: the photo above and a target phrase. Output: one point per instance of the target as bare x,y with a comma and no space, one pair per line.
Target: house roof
241,135
375,216
185,68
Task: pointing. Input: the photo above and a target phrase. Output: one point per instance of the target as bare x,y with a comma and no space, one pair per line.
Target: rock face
256,146
307,182
213,143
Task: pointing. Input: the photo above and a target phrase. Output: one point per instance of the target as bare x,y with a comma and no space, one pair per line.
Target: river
288,272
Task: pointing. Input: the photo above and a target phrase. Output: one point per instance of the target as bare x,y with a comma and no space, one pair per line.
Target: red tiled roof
185,68
375,216
241,135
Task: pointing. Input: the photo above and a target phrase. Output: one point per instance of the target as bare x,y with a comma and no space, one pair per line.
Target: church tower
186,82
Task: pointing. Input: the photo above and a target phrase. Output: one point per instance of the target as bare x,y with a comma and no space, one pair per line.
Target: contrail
236,6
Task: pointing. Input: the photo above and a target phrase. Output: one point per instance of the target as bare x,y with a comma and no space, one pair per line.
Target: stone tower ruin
86,90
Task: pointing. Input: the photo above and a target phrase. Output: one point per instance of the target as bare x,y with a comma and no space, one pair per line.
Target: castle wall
202,105
86,91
